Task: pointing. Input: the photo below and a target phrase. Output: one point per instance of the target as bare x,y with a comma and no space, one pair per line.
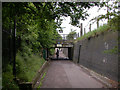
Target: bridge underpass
63,73
61,56
65,52
64,49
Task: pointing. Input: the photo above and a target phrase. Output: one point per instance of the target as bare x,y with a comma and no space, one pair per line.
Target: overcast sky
93,12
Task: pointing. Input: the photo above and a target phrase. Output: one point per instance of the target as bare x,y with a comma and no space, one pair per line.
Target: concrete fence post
108,12
97,23
78,34
84,31
90,28
81,29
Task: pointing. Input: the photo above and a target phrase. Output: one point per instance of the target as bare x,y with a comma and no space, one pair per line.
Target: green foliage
95,32
27,67
73,9
111,11
36,21
115,23
71,35
7,81
112,51
41,80
26,70
48,34
35,30
52,51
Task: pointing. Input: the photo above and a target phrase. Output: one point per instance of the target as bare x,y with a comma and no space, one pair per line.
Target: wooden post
90,28
84,31
81,29
97,23
107,11
78,34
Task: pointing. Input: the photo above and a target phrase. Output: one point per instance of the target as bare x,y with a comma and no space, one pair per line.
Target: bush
7,79
28,67
115,23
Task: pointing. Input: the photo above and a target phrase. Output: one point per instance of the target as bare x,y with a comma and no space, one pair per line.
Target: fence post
108,11
81,29
90,28
84,31
78,34
97,23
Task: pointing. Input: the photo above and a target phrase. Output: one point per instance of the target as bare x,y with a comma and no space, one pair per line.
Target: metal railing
7,46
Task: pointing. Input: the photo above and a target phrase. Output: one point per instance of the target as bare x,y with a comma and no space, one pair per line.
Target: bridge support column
70,55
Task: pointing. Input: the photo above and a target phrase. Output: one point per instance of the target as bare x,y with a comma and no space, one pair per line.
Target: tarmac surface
66,74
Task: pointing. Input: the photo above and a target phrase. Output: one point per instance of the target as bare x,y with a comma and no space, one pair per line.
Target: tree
73,9
71,35
111,11
36,24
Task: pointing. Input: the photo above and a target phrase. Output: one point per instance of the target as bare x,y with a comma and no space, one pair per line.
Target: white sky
93,12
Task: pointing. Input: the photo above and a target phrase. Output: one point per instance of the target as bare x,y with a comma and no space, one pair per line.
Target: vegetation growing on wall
115,26
95,32
112,51
112,25
71,35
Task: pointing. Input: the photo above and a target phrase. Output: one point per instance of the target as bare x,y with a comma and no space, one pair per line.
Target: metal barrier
7,47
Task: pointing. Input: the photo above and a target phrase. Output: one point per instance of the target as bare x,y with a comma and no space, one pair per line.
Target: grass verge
95,32
7,79
41,80
28,67
26,70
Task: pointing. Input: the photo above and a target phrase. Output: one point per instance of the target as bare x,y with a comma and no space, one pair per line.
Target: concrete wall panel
93,57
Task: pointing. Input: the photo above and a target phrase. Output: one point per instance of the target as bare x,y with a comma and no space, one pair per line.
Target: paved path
66,74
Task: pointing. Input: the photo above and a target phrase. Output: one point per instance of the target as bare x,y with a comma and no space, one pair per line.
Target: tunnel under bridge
65,52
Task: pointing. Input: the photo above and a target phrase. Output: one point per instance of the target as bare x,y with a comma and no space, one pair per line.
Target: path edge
34,81
104,80
31,85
